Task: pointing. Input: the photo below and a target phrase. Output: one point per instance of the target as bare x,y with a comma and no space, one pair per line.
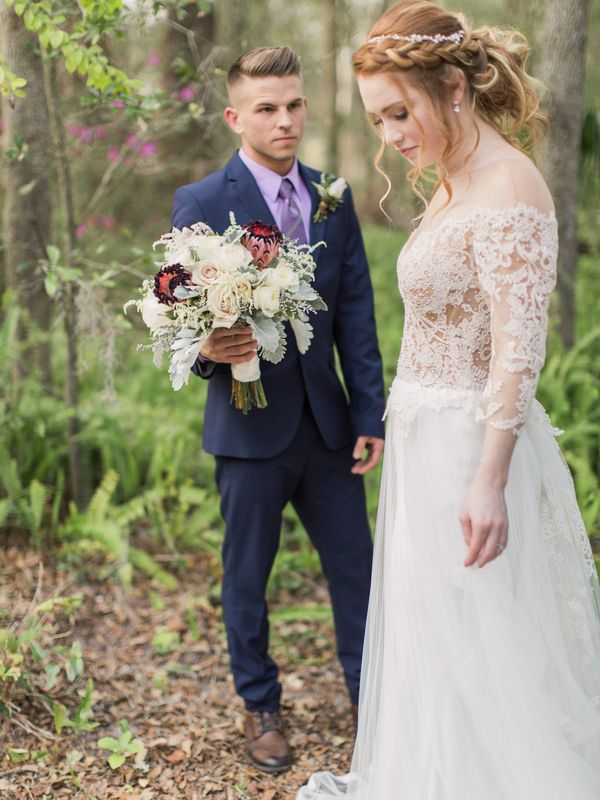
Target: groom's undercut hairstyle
263,62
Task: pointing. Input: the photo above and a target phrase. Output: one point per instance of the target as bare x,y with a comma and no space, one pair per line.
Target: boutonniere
331,191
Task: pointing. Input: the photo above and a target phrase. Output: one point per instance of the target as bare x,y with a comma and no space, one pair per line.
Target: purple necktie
292,225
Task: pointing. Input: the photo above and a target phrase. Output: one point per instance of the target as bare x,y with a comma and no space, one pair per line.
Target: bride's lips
406,150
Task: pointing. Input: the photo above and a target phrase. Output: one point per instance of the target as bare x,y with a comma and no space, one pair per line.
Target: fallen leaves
180,703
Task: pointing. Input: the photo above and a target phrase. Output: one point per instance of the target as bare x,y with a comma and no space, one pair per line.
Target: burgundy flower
262,240
167,280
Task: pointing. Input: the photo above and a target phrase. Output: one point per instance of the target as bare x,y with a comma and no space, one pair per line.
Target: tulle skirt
477,684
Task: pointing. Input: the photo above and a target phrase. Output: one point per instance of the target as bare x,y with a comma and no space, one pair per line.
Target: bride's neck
478,143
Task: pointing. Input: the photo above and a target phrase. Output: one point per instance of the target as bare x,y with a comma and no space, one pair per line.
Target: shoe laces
269,721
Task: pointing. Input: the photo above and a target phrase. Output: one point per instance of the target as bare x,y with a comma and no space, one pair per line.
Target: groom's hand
230,346
374,450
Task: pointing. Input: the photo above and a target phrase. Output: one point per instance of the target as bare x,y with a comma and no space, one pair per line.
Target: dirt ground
180,704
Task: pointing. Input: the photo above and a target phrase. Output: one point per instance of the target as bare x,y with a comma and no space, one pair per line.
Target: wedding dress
477,684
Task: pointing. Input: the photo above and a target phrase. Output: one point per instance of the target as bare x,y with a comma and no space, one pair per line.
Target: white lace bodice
476,292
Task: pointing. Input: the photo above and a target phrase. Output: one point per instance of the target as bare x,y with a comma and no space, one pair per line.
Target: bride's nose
393,136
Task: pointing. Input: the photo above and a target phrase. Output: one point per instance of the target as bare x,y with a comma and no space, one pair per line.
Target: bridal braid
493,61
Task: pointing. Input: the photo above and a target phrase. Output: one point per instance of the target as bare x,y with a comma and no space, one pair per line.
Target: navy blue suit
298,449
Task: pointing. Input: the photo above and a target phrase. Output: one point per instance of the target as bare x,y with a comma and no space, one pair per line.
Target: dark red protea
167,280
261,239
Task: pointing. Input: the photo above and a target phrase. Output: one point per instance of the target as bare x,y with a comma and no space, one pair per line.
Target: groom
315,440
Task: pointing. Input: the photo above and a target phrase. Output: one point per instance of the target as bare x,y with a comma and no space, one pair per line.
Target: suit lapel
247,193
249,197
317,229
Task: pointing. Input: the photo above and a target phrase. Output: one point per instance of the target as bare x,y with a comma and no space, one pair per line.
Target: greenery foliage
153,487
570,391
37,674
123,748
11,85
77,39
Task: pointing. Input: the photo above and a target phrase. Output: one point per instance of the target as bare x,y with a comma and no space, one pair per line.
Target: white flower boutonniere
331,191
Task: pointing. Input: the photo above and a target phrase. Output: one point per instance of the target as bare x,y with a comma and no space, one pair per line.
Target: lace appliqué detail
562,527
476,293
405,400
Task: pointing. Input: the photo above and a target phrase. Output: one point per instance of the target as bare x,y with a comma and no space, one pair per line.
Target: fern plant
570,391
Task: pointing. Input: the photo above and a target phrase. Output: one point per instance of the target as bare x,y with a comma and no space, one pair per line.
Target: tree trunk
330,81
187,49
28,202
563,39
77,483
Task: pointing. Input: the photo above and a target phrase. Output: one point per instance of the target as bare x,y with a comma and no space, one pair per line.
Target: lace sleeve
515,252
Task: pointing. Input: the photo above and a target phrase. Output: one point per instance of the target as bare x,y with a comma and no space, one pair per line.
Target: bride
481,669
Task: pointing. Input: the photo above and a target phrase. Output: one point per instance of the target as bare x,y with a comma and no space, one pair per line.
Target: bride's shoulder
515,182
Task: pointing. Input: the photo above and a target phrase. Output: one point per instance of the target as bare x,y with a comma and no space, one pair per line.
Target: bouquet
249,275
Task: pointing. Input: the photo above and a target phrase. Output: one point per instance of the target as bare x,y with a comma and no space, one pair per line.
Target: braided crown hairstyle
493,61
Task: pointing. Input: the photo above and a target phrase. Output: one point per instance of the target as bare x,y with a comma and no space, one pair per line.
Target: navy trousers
330,502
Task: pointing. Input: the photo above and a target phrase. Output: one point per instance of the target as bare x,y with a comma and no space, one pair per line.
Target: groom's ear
232,118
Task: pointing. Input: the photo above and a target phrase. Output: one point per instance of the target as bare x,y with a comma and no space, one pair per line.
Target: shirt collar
268,181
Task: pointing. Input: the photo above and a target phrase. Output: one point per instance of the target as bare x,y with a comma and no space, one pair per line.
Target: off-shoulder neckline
540,215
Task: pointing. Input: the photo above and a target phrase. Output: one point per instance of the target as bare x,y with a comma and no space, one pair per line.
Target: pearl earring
456,107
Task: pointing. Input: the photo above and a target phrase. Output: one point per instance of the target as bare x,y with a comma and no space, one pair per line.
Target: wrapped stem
246,386
247,395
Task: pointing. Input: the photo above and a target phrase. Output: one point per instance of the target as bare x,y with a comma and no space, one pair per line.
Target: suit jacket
342,279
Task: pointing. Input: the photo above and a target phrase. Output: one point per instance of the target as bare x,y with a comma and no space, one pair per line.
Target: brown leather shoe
266,745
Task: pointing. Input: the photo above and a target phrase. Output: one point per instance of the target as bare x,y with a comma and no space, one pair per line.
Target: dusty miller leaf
275,356
304,334
266,332
184,352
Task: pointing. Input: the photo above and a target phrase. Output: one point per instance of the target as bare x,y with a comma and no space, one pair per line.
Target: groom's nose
284,120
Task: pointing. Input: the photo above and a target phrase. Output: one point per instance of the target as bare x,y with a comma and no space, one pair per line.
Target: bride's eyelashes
399,117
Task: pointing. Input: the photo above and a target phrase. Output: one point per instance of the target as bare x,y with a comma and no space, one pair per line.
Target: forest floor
174,690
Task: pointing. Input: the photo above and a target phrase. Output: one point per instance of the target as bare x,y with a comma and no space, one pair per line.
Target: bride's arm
483,517
515,255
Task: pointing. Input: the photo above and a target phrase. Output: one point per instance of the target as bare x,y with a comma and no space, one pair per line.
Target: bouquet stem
248,394
246,386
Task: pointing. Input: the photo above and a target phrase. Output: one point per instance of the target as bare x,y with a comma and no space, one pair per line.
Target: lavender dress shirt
269,183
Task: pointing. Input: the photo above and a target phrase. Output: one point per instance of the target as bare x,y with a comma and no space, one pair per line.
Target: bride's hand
484,521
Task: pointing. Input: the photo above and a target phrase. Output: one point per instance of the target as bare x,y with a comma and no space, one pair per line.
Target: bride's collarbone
436,215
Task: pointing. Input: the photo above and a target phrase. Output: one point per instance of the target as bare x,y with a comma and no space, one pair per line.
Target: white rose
266,299
284,278
222,303
205,274
338,187
155,313
220,254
